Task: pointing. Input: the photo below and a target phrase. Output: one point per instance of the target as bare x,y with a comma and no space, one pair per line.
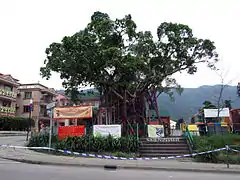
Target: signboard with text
70,131
105,130
211,113
74,112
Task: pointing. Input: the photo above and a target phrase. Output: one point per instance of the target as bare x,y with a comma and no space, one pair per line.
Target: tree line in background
8,123
129,67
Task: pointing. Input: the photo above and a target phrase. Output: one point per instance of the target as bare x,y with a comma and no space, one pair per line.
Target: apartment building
41,96
86,97
89,97
62,100
8,94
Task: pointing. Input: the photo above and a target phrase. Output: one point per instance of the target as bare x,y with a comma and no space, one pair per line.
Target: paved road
12,171
13,140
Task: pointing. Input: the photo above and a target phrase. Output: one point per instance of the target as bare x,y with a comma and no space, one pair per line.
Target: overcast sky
27,27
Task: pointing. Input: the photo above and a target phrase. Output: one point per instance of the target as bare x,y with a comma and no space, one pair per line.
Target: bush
205,143
14,123
88,143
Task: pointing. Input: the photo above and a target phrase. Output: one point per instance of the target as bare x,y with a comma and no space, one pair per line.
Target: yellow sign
192,127
224,124
184,127
74,112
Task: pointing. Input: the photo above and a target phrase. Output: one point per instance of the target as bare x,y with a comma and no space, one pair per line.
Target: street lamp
29,119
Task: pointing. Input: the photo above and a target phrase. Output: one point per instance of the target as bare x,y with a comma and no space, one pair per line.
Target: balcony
45,101
8,94
49,91
7,110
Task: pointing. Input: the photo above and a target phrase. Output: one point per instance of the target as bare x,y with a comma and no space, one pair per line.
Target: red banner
66,131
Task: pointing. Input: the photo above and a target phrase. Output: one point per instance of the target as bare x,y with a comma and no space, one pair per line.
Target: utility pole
50,108
29,119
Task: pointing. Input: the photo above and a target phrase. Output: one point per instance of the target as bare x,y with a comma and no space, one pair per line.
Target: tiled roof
8,75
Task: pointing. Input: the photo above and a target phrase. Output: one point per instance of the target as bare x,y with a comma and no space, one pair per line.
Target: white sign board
155,131
105,130
211,113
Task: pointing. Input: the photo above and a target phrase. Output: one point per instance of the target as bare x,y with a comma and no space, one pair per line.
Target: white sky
28,27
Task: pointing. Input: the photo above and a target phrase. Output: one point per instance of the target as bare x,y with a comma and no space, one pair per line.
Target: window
8,88
28,95
25,109
42,109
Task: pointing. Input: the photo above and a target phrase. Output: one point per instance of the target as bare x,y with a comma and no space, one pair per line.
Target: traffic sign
30,107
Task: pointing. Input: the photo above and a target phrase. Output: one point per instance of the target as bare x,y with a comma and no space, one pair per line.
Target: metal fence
140,130
217,129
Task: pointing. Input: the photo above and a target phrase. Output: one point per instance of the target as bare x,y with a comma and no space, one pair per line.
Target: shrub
88,143
41,140
14,123
205,143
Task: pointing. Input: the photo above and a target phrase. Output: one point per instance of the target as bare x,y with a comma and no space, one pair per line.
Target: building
235,120
89,97
8,94
85,97
41,96
62,100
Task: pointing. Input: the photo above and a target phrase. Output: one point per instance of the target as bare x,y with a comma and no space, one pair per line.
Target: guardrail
189,137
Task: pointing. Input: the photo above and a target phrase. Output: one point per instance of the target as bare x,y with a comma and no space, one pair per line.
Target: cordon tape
118,158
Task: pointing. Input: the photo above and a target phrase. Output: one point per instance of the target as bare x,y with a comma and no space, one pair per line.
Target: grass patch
207,143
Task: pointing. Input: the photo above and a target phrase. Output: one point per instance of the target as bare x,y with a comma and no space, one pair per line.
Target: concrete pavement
28,156
13,133
13,140
40,172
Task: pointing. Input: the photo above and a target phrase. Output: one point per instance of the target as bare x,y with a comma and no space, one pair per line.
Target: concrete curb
222,171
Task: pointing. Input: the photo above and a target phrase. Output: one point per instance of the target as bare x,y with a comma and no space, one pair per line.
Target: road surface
12,170
13,140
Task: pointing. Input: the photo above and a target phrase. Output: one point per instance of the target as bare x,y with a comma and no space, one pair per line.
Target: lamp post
29,119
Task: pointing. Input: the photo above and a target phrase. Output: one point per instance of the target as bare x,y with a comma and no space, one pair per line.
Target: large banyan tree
127,66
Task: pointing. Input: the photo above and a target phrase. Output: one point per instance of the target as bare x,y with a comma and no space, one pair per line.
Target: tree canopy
114,55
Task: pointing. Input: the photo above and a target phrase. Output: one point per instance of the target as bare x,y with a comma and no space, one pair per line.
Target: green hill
188,103
191,100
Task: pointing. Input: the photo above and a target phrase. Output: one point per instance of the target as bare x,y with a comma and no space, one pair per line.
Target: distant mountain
189,102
